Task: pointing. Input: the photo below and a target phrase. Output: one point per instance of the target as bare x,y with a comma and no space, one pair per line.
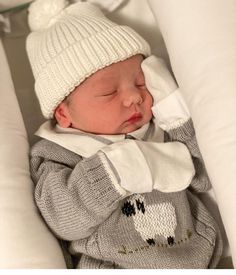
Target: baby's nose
132,98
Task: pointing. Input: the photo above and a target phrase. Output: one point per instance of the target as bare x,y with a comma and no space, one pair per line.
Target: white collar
86,144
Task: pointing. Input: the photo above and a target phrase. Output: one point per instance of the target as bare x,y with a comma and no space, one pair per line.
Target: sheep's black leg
170,241
150,241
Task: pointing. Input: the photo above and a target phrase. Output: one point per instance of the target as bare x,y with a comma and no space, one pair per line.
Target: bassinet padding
201,41
25,241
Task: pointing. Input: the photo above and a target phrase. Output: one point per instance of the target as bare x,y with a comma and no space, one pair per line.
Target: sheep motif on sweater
151,220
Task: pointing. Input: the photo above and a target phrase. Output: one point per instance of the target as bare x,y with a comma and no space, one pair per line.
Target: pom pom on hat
68,43
41,12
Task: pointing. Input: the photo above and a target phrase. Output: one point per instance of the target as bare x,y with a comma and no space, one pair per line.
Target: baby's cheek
150,104
149,101
148,112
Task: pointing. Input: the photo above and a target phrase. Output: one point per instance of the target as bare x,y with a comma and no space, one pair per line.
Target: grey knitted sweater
105,229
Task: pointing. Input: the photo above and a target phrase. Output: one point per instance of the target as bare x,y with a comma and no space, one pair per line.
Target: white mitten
159,80
130,165
144,166
170,164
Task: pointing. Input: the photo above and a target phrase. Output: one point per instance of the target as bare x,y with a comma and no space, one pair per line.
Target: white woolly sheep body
157,220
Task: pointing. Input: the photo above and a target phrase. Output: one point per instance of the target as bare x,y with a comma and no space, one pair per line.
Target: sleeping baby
118,170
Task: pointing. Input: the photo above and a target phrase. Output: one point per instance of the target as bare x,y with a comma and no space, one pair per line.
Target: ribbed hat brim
83,58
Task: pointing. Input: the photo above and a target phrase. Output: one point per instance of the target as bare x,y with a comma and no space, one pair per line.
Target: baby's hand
159,80
170,165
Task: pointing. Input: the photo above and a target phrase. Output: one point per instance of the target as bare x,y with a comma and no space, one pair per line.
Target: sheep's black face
128,209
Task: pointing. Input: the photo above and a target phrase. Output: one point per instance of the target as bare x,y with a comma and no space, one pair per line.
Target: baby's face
114,100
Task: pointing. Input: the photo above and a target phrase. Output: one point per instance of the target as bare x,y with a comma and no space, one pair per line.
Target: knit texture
78,200
76,43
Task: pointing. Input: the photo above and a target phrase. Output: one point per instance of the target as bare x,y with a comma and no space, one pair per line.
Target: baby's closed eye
106,94
109,93
141,85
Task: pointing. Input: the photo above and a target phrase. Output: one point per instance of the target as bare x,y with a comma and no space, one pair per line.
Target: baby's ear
62,115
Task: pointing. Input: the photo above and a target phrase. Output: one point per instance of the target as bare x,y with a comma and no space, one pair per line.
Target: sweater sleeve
74,198
173,117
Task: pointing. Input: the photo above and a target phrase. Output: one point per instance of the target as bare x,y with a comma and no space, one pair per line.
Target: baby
118,168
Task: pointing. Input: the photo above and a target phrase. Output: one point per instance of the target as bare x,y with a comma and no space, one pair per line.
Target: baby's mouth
135,118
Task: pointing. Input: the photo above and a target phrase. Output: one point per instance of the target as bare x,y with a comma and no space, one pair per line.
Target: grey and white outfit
100,194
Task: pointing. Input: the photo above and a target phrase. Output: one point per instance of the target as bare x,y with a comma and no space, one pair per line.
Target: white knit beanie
68,43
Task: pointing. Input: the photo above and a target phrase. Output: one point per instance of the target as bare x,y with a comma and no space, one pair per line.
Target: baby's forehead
129,68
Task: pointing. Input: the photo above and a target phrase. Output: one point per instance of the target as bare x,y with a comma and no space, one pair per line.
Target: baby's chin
124,128
132,127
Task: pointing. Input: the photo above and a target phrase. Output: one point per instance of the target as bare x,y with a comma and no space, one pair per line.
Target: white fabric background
25,241
201,41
